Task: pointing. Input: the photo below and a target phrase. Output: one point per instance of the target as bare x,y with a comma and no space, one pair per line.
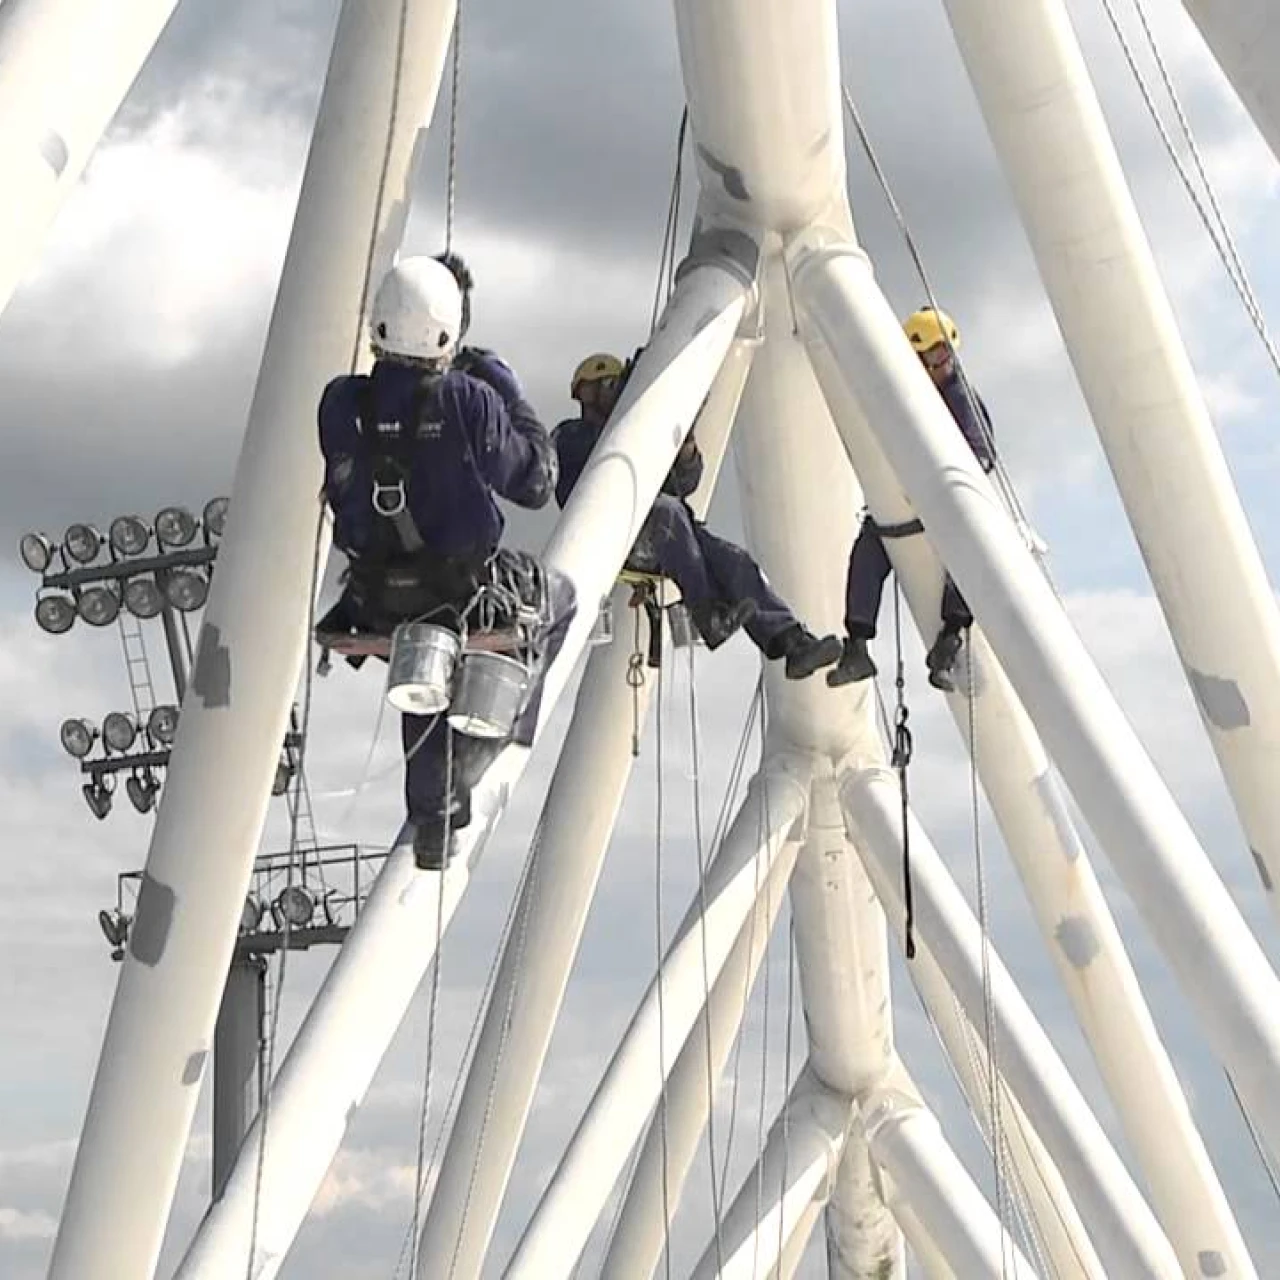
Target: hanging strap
902,747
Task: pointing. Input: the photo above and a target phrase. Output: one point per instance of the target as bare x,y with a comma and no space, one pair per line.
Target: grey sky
128,361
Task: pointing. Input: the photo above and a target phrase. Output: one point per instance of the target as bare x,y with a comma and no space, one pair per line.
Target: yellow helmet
597,368
929,328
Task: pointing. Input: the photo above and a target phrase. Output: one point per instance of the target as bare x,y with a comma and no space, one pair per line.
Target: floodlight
78,737
143,598
129,535
55,614
119,731
142,787
36,551
99,606
98,798
215,518
175,527
162,725
186,589
296,905
250,914
82,542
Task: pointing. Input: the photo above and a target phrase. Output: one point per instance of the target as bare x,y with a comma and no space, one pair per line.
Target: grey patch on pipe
150,933
1267,883
53,151
194,1069
211,679
1079,942
724,247
819,144
1220,699
735,185
1211,1263
1054,802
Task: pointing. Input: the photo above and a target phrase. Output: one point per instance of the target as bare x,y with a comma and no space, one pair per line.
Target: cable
706,962
308,679
1212,218
662,1048
988,999
667,258
455,78
1000,477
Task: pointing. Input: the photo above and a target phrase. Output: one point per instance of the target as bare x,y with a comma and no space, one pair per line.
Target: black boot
855,663
941,659
431,851
717,620
806,653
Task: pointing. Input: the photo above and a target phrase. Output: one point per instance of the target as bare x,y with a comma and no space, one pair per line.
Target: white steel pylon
774,279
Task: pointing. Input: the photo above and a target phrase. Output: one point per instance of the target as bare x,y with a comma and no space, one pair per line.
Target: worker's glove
489,368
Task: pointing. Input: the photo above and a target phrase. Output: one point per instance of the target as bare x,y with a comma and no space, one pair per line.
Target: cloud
129,359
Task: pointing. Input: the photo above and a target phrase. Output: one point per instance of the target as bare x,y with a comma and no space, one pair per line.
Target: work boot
430,851
717,620
806,653
855,663
941,659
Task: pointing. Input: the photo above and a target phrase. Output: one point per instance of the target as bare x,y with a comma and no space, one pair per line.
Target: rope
998,473
433,1006
706,962
472,1035
658,931
365,289
1257,1141
901,759
988,1001
786,1086
764,1032
667,258
455,80
268,1071
1212,217
735,778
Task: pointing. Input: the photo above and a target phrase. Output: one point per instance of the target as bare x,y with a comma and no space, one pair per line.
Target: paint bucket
490,693
420,677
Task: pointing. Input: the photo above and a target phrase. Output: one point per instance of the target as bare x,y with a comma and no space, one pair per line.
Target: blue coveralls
869,566
707,569
482,440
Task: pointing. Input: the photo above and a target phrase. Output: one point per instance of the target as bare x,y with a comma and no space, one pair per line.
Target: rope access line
706,963
995,1099
1212,217
1000,476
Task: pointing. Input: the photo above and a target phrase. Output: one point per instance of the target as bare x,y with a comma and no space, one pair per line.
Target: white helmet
417,312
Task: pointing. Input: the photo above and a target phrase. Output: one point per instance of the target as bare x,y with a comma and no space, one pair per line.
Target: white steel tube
252,645
577,822
943,1201
642,1227
1128,1238
1223,971
65,68
364,997
632,1085
763,83
1070,907
861,1246
1048,128
796,1167
1244,37
798,1243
